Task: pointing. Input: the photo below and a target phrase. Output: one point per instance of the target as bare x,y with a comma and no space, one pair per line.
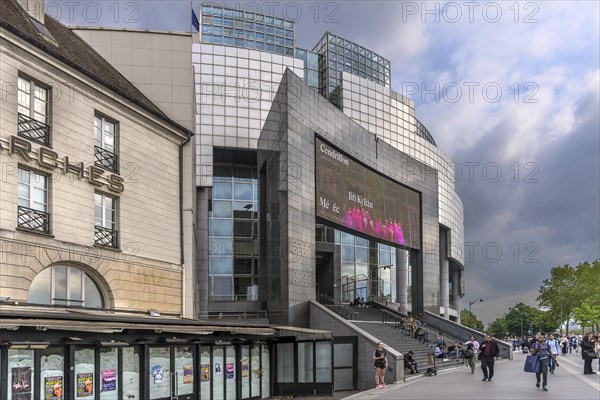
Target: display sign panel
361,200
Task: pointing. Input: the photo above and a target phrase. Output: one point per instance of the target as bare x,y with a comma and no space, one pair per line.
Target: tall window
368,268
65,285
233,234
105,143
105,216
32,201
33,107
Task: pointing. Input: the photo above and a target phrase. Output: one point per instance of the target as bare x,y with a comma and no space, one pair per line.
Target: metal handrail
337,307
395,322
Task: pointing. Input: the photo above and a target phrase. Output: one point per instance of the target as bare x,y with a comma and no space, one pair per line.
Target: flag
195,21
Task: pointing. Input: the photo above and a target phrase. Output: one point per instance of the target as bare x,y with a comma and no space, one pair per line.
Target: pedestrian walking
572,343
380,364
555,347
588,353
598,352
564,344
543,350
488,355
471,352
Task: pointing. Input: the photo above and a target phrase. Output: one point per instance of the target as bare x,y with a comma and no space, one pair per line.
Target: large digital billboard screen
358,199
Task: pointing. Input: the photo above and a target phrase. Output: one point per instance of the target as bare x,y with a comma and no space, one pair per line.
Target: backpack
469,352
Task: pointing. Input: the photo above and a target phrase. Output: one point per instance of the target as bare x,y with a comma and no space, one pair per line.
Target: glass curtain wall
340,55
233,234
311,67
368,268
229,27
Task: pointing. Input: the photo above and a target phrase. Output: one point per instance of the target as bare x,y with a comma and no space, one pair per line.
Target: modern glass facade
423,132
311,67
341,55
238,68
368,268
233,234
228,27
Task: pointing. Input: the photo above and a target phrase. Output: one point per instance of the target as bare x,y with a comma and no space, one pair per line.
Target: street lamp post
473,302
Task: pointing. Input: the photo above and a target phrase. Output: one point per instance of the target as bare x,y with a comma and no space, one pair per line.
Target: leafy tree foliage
569,288
588,282
587,316
497,328
569,292
523,320
468,318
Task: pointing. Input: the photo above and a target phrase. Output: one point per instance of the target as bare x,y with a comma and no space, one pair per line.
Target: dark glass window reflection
233,234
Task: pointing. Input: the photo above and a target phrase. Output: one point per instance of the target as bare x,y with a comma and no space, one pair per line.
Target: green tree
559,294
498,327
468,318
520,319
588,281
587,315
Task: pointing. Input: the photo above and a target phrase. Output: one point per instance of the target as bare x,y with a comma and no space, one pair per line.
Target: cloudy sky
509,90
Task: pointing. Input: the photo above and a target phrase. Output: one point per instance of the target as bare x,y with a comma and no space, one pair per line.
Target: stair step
402,343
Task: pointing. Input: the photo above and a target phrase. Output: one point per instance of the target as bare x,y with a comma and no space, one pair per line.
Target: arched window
65,285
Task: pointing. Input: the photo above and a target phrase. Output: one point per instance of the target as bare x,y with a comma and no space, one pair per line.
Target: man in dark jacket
488,354
410,363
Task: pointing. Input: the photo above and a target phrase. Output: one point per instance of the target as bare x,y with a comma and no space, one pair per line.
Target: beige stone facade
145,270
159,64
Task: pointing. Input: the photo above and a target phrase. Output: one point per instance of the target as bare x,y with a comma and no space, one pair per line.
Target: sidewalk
509,382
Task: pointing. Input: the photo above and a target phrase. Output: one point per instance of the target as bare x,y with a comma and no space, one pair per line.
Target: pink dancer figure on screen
398,235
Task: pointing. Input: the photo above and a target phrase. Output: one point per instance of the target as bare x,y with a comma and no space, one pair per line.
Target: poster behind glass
230,373
184,368
51,373
84,377
160,372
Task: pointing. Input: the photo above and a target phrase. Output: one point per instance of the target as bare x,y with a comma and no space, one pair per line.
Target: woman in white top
471,344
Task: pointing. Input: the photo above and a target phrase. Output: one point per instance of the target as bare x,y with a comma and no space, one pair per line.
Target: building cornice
19,37
109,94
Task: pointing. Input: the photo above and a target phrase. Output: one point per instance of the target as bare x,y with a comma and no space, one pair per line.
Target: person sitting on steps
410,363
439,353
420,335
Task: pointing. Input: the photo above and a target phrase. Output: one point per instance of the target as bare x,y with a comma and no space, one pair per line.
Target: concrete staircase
370,320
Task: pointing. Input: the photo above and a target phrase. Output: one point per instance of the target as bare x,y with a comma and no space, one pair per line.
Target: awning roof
12,318
114,327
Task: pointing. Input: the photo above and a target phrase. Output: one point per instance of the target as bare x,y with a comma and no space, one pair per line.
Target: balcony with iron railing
106,237
33,220
106,159
34,130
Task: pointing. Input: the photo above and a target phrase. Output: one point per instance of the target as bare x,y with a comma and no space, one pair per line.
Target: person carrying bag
588,353
542,351
532,364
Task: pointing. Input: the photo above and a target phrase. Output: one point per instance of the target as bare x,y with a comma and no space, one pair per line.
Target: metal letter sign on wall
48,159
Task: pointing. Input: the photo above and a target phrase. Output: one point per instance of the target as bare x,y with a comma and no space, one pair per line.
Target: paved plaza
509,382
